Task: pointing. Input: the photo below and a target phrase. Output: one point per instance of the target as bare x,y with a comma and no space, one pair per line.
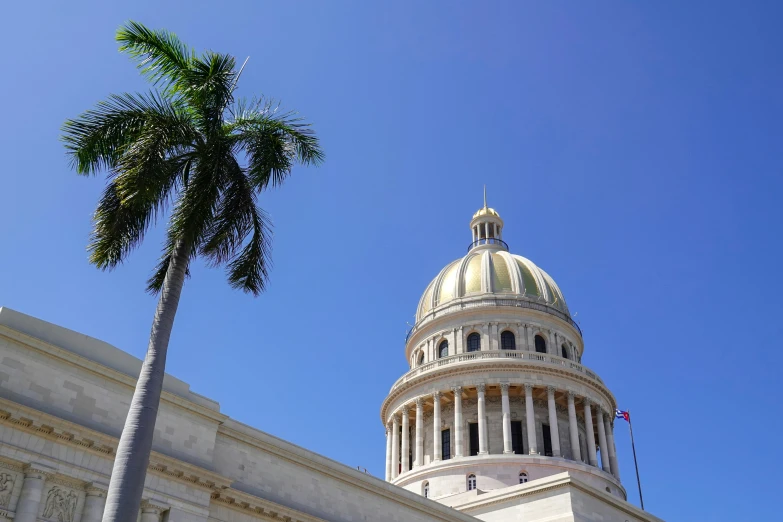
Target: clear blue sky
633,149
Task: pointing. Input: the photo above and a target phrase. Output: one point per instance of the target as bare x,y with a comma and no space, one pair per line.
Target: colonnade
397,451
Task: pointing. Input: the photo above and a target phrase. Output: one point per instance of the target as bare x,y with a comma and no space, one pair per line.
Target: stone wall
62,408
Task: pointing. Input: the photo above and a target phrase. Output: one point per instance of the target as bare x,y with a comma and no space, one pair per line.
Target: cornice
105,372
260,508
342,473
71,434
482,367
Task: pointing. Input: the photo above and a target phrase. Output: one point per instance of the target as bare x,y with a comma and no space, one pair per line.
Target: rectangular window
516,437
474,438
547,440
445,444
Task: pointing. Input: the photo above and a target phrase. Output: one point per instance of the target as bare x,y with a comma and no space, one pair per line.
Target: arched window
522,477
507,341
443,349
426,490
421,359
471,482
564,351
474,342
540,344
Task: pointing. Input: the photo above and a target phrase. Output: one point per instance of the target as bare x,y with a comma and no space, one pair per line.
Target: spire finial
485,196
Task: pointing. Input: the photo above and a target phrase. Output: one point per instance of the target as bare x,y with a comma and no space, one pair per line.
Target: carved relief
60,504
6,488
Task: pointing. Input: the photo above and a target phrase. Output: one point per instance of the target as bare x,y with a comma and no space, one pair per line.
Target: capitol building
497,419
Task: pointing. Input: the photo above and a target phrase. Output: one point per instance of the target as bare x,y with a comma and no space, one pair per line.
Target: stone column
150,512
94,502
457,421
530,417
573,428
554,431
610,446
591,454
406,447
460,346
32,490
482,420
507,446
395,447
436,441
419,432
531,339
494,342
599,418
389,436
485,337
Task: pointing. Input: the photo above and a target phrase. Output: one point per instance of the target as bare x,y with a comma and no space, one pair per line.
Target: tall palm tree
188,150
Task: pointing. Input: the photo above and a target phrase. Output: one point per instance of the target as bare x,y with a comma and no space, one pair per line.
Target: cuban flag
620,414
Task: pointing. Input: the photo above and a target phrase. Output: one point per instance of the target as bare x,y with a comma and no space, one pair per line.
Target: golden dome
491,271
486,212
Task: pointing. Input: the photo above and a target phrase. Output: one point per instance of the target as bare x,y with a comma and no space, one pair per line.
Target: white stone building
493,428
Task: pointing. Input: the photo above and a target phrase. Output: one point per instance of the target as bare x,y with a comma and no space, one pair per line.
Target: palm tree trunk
133,453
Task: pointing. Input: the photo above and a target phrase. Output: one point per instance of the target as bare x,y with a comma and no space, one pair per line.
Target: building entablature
497,367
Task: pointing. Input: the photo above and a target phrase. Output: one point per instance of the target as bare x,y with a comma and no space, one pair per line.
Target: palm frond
194,209
161,56
233,219
96,139
249,271
209,84
130,203
273,142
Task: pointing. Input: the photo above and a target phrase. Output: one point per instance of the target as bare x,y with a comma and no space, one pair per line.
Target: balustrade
533,357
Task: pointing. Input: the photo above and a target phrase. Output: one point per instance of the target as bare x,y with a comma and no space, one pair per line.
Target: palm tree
188,150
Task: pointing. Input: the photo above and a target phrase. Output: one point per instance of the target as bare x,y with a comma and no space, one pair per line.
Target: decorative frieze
7,481
60,504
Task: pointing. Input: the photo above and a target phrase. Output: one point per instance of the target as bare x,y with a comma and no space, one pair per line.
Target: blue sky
632,148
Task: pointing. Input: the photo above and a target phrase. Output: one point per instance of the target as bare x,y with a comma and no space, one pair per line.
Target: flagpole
636,465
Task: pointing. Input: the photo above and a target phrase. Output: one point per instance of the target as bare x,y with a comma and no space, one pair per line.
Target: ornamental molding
338,472
152,506
260,508
12,465
67,433
490,365
66,481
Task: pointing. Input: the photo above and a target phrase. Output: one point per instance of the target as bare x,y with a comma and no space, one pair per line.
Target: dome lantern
486,228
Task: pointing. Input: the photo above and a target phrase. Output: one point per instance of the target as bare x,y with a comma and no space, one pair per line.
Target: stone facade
64,398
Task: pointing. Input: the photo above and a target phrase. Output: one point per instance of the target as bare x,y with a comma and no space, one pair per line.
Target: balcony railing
531,357
488,241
